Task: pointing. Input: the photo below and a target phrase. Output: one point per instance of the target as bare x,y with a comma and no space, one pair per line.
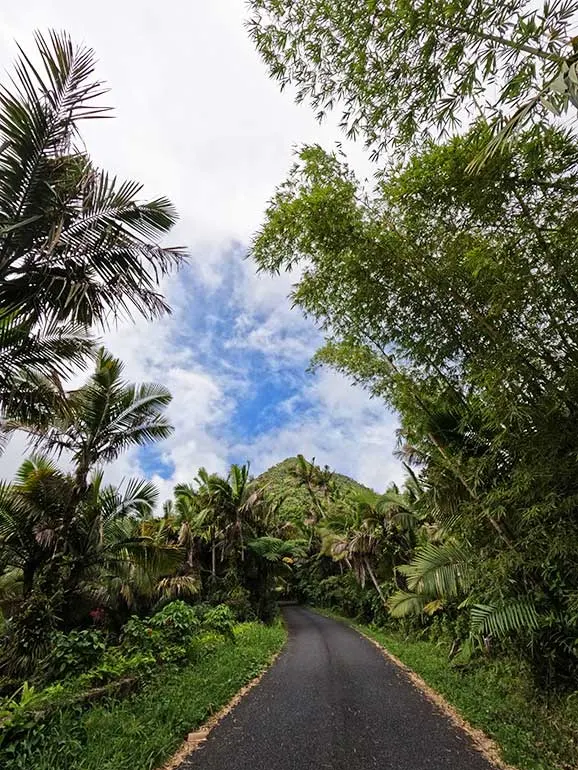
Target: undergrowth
142,731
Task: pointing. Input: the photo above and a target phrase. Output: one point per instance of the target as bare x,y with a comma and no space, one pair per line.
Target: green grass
142,731
497,697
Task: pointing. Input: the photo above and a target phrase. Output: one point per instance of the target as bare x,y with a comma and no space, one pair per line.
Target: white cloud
13,455
200,404
196,117
343,428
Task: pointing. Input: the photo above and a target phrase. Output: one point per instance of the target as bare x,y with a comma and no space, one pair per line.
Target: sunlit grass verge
142,731
495,696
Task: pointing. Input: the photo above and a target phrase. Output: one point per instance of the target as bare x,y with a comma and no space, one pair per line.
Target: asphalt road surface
333,701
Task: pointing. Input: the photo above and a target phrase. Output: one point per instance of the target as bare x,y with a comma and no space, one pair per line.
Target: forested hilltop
287,483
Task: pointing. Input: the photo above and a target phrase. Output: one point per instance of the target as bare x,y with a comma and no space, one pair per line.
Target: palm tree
177,528
30,511
39,535
77,247
68,533
95,556
185,515
354,531
435,575
94,424
232,516
31,354
76,244
208,521
226,510
440,573
319,483
240,501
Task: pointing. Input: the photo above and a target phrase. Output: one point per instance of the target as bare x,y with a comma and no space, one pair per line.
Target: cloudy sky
198,120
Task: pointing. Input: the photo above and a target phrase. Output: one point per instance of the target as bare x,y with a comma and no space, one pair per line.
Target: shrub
171,635
239,601
26,639
221,620
237,598
139,635
18,713
174,625
115,665
176,620
73,653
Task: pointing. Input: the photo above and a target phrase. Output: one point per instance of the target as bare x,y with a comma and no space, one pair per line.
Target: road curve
333,701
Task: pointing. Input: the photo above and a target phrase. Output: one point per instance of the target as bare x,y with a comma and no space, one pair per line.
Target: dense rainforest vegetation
100,597
448,288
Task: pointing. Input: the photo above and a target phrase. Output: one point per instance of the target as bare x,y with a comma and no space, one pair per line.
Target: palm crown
77,247
97,422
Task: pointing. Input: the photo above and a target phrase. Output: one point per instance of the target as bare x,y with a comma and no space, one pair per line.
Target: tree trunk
374,581
28,573
241,543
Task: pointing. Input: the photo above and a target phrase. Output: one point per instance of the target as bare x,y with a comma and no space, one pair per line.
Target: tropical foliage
402,72
68,541
77,251
237,541
459,312
448,289
77,247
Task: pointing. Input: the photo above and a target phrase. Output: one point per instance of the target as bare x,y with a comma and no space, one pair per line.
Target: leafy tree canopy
403,71
451,293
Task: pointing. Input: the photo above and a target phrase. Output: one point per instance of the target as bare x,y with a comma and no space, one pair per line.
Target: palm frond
501,620
32,361
10,585
138,499
437,570
403,603
178,587
99,420
153,558
397,508
76,245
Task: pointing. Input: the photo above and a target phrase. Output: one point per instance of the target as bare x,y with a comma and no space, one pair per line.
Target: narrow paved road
333,701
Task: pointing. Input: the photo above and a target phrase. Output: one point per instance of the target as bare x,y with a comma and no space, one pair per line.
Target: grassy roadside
143,731
496,697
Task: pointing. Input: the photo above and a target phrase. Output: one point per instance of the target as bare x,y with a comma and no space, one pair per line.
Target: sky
198,120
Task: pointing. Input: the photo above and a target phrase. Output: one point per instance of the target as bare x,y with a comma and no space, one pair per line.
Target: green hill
284,481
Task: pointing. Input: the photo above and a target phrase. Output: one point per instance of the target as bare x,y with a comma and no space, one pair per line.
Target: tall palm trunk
241,543
371,574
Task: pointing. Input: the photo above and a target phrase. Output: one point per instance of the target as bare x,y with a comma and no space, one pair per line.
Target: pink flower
98,615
